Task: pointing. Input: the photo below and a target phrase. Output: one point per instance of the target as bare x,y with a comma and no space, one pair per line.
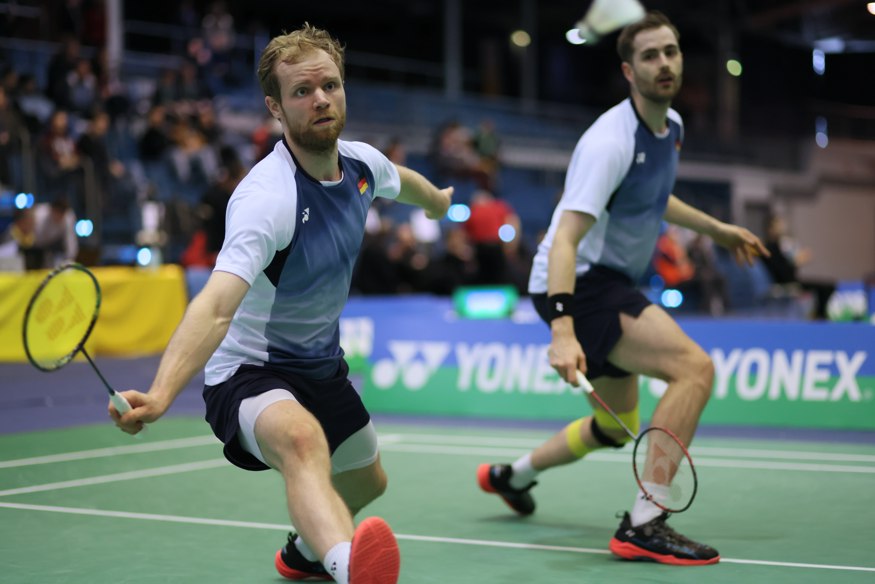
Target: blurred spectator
58,161
410,260
117,192
165,89
265,136
189,85
708,280
455,157
395,151
670,259
82,90
207,241
35,107
16,243
375,273
784,263
54,234
487,144
488,215
455,267
62,63
11,128
218,29
155,140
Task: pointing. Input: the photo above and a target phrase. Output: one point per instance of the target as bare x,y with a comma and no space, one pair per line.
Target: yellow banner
139,311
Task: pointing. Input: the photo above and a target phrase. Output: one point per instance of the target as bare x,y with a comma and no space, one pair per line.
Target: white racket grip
583,382
123,407
120,403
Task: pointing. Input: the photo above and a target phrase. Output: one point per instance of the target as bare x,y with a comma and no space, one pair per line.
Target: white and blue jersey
622,174
295,240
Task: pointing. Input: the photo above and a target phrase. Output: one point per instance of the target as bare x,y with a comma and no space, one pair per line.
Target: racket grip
123,407
583,382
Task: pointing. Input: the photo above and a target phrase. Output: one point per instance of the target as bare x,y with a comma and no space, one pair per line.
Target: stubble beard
317,141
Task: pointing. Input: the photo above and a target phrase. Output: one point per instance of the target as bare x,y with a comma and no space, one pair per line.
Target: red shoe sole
483,478
630,551
293,574
374,558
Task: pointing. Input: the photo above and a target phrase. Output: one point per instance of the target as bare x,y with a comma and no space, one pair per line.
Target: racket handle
123,407
120,403
583,382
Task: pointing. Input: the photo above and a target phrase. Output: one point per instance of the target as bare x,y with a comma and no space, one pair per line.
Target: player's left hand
440,204
744,245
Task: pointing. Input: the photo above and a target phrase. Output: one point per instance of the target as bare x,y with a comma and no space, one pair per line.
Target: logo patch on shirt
305,215
640,157
363,185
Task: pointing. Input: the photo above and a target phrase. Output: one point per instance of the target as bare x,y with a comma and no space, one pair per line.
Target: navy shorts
600,295
332,401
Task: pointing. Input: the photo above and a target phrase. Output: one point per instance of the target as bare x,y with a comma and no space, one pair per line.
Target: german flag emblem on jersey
363,185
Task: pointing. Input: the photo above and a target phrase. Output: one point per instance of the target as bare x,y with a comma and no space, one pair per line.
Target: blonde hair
290,48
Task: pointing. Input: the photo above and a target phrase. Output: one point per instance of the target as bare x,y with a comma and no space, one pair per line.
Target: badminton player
600,241
266,324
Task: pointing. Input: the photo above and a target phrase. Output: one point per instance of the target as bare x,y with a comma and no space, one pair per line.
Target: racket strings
665,471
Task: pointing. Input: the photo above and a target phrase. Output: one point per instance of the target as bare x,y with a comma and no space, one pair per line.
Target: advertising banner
414,356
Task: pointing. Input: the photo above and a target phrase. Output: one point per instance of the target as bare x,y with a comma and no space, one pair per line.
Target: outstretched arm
418,190
743,244
565,353
203,327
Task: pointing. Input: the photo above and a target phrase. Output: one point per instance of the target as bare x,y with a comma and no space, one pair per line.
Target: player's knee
607,431
302,441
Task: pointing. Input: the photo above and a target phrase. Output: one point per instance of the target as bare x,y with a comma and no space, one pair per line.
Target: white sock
305,549
523,472
644,510
336,562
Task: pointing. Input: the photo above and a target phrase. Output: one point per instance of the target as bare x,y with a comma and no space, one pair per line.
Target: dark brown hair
653,19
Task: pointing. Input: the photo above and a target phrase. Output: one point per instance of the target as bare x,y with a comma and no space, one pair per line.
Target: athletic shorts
600,295
334,402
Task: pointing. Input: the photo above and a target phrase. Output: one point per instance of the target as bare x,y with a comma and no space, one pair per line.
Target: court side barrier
416,356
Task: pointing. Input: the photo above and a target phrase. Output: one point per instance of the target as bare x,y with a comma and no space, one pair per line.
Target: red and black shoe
374,557
655,541
293,566
495,478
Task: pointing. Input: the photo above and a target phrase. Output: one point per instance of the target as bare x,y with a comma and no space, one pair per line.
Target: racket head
664,470
60,316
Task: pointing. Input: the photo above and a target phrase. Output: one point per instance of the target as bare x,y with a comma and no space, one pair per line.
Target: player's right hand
567,357
145,408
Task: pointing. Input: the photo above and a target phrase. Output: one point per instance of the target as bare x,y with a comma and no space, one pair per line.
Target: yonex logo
414,362
640,157
560,307
306,215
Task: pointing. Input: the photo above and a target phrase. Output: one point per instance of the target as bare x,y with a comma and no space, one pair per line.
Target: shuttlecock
606,16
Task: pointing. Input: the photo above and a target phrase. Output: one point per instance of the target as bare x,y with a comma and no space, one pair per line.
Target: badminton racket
59,319
662,465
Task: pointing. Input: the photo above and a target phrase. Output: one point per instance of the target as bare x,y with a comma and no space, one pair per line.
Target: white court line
122,476
112,451
511,447
400,536
624,458
530,443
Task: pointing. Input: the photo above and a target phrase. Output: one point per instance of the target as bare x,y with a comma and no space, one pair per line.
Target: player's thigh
620,393
654,345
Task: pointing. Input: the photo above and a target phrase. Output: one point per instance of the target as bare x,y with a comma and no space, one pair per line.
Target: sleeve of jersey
387,182
596,170
254,232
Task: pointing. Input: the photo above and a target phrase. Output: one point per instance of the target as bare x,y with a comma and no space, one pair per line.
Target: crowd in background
99,154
